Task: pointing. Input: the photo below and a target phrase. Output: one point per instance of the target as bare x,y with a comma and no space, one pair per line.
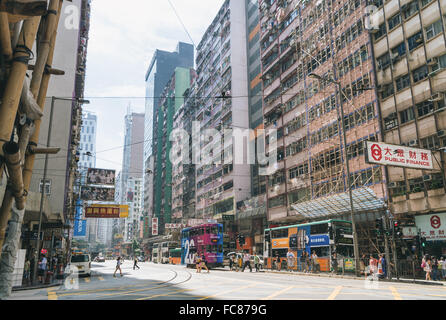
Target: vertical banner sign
80,226
154,226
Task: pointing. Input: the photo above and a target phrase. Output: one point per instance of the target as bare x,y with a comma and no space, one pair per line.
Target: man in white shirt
246,258
290,260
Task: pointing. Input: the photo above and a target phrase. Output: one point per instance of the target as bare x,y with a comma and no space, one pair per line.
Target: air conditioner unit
392,185
436,97
373,30
413,143
427,177
433,73
431,61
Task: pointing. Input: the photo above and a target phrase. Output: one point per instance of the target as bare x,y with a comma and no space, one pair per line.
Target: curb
37,287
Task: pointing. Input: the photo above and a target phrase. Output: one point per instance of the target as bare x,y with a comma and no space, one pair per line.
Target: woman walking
118,267
427,266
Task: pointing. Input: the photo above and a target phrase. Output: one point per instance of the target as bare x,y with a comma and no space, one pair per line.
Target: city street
171,282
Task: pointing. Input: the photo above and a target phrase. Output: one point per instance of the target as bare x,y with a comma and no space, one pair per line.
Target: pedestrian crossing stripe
87,279
101,279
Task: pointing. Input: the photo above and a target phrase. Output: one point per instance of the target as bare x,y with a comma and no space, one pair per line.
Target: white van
82,262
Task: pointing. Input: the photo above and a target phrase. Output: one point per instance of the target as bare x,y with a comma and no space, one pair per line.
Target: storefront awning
364,199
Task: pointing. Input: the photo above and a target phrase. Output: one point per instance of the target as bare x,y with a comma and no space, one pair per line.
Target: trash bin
49,277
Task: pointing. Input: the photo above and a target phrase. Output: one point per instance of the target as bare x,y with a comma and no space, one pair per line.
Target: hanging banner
102,212
80,228
101,176
97,194
123,208
154,226
401,156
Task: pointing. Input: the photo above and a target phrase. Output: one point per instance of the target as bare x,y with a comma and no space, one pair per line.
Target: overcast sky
123,38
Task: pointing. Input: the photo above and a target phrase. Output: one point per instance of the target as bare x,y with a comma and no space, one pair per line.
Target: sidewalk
39,286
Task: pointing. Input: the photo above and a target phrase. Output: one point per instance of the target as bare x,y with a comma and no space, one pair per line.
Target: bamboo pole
5,36
14,86
15,183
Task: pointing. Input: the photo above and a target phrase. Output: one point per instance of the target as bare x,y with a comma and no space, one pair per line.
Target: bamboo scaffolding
5,37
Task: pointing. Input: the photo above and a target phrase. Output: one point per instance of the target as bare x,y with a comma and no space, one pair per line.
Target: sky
122,40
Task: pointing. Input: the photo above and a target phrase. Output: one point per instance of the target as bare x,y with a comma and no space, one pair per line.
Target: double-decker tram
156,253
205,239
165,247
323,237
175,256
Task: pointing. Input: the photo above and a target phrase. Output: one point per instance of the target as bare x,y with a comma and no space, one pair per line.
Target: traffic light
379,226
241,240
423,242
397,229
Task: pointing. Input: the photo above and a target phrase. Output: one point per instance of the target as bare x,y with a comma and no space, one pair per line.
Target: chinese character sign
394,155
154,226
432,226
102,212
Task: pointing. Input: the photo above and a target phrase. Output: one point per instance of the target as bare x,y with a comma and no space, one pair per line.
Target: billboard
101,176
123,208
432,226
98,194
102,212
401,156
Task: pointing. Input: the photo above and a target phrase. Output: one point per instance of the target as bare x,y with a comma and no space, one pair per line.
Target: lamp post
352,210
50,125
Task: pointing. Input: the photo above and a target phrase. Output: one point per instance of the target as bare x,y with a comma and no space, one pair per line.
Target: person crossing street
118,267
246,262
135,263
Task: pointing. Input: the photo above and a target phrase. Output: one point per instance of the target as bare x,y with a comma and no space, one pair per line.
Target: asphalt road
170,282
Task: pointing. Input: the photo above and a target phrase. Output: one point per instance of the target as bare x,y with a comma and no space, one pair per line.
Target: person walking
118,267
334,263
231,262
383,262
26,271
42,269
314,262
434,268
135,263
203,263
290,260
256,262
198,263
278,264
373,265
303,261
246,262
442,265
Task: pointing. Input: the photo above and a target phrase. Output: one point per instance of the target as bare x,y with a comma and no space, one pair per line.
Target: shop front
433,228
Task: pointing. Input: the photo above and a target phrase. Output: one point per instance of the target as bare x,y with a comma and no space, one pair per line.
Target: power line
179,19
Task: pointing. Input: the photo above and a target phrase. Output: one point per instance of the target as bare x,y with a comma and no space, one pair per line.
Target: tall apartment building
69,56
222,103
410,58
134,201
327,38
171,101
160,71
132,167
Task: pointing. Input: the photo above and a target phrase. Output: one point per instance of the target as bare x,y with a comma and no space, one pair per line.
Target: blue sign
319,240
80,226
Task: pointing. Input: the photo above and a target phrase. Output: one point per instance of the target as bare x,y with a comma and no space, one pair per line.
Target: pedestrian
290,260
278,264
304,261
198,263
246,262
434,268
334,263
257,262
363,264
204,263
239,261
42,269
26,271
231,262
314,262
373,265
118,267
383,262
442,265
135,263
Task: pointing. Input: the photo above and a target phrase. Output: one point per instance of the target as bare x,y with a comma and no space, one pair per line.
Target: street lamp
355,237
38,245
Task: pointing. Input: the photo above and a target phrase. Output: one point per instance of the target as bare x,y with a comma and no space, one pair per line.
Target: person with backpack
118,267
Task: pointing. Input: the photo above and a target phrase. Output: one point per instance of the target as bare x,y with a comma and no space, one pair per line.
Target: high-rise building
160,71
408,42
222,103
300,45
172,98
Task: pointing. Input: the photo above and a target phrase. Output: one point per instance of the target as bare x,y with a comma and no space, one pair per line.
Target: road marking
87,280
52,296
278,293
395,293
229,291
335,292
101,279
182,290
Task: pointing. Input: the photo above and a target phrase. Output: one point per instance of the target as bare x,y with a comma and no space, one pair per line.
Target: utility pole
386,245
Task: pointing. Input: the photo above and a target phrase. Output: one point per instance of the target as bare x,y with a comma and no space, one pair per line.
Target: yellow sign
123,208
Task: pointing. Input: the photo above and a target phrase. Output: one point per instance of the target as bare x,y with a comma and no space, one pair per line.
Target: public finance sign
432,226
401,156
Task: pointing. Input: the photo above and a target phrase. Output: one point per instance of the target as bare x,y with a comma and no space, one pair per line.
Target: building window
381,31
398,51
425,2
402,82
391,121
277,201
397,188
424,108
394,21
415,41
420,73
410,9
416,185
383,61
431,142
47,186
387,90
433,29
440,64
407,115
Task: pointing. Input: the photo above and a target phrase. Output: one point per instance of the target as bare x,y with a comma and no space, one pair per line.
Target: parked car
99,259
